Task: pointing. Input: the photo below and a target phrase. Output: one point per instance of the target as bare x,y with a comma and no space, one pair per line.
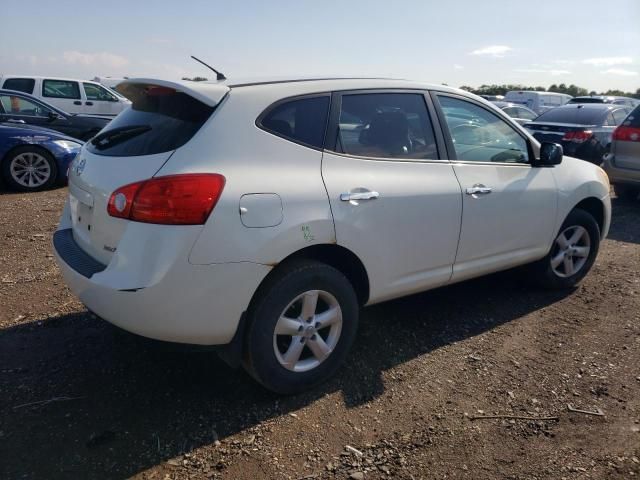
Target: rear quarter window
301,120
633,120
159,120
20,84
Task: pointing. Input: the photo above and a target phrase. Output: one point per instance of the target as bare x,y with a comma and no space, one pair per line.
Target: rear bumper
196,304
620,175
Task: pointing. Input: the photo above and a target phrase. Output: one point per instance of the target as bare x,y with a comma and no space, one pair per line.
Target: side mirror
550,155
53,116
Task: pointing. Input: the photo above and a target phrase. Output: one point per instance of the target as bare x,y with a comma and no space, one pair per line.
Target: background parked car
630,102
34,158
584,130
622,164
71,95
519,113
18,107
539,102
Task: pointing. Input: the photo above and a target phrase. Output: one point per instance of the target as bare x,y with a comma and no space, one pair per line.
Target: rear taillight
185,199
627,134
577,137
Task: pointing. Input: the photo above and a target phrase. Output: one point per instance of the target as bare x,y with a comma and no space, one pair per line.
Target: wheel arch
40,148
340,258
595,208
28,145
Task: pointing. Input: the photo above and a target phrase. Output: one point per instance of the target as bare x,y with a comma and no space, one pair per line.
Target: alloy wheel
571,251
30,170
307,331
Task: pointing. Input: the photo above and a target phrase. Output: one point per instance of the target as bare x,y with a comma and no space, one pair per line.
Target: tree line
573,90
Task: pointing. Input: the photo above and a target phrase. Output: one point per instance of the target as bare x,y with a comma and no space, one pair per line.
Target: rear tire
29,169
572,254
626,192
300,327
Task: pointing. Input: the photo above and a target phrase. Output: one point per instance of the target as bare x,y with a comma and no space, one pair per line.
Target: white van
70,95
539,102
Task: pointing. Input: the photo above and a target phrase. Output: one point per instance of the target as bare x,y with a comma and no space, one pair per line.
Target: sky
590,43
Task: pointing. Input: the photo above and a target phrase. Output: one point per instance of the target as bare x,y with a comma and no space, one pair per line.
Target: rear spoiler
206,92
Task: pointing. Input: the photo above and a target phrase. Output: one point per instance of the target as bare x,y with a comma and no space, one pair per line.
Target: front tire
300,327
29,169
572,254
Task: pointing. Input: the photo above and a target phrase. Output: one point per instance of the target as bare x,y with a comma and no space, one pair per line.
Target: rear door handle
77,102
479,189
88,103
366,195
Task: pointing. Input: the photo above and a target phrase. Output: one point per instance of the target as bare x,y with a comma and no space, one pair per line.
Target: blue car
34,158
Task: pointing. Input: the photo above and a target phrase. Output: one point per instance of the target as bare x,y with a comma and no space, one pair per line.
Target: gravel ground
82,399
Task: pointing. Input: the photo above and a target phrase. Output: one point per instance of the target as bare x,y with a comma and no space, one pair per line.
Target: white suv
261,216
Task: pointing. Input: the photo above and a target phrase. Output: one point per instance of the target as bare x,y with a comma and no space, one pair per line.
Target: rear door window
160,120
60,89
301,120
386,125
20,84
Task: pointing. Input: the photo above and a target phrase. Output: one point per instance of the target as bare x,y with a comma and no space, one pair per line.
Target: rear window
303,120
586,100
159,120
20,84
633,120
579,116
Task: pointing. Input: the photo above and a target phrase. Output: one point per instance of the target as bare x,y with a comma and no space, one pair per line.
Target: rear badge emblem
79,167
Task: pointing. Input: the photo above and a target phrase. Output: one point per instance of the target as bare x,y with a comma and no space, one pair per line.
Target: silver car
519,113
622,164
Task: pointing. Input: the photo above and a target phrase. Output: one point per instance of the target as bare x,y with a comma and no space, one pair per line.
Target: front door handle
77,102
88,103
479,189
13,120
366,195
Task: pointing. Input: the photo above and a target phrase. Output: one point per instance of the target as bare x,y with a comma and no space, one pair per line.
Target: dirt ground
82,399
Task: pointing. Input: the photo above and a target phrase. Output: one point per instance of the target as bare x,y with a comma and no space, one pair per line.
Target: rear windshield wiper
118,135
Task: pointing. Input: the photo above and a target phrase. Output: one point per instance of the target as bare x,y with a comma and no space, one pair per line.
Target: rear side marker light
186,199
627,134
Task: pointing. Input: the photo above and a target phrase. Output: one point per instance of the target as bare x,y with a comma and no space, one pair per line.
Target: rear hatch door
133,147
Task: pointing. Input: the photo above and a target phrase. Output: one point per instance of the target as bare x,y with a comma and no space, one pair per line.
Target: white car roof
211,92
40,77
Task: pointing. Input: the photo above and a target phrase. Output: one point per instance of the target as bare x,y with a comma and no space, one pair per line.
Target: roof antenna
219,75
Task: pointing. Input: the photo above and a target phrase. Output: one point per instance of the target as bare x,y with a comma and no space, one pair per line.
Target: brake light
627,134
186,199
577,137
